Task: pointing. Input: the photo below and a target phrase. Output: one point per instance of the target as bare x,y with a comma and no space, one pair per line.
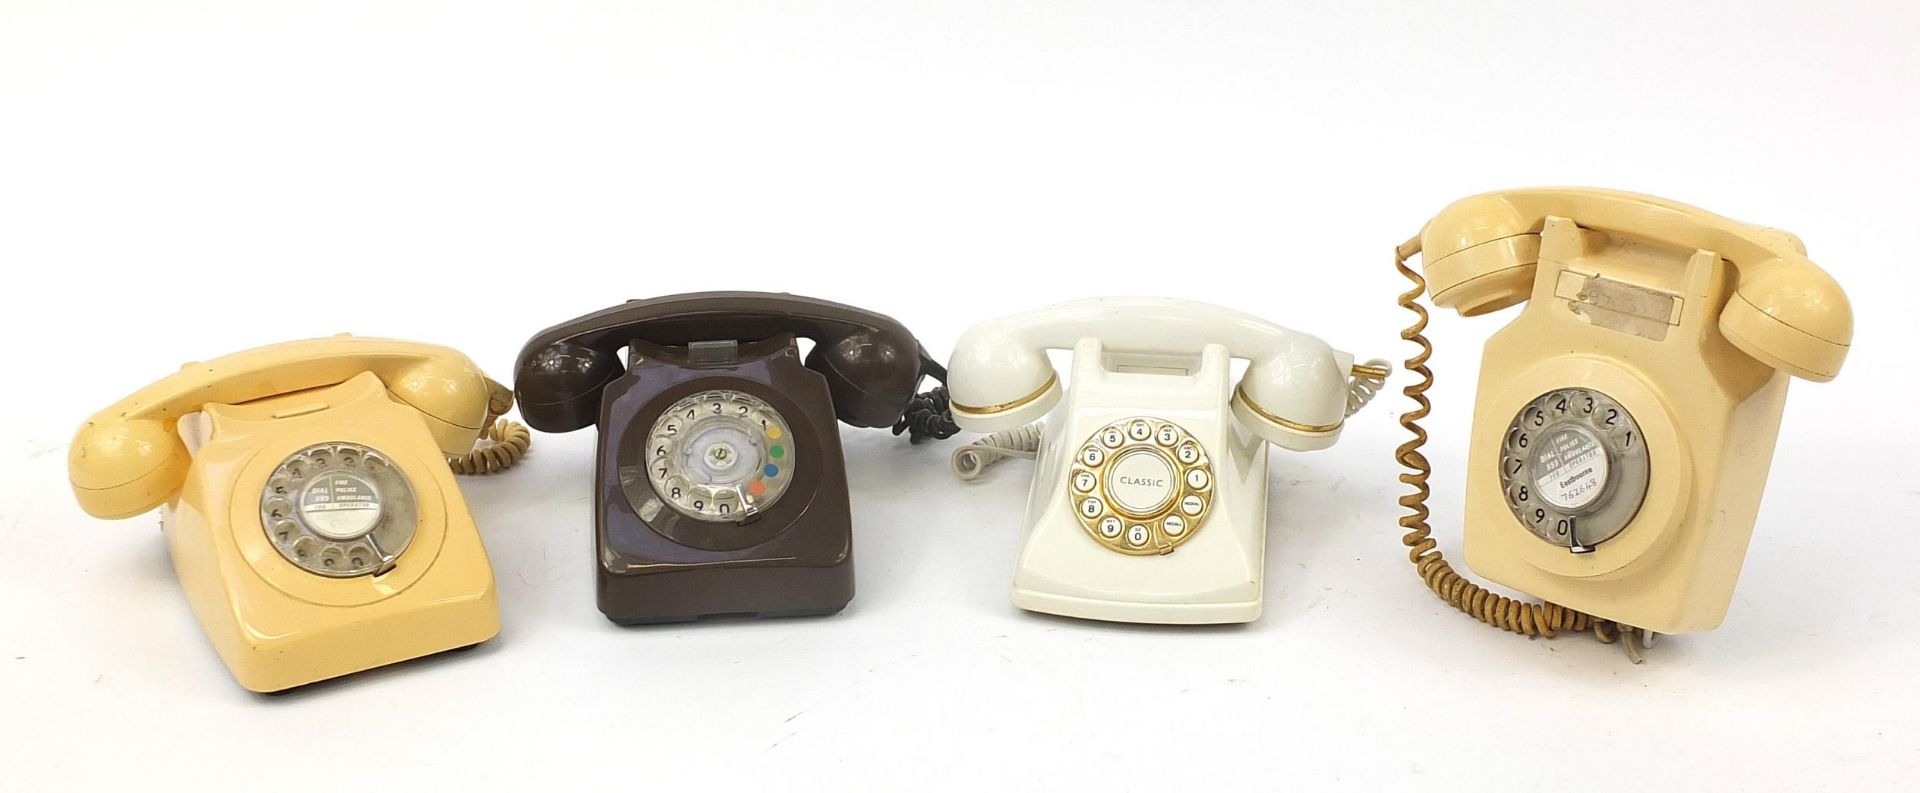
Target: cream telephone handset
310,505
1626,417
1149,502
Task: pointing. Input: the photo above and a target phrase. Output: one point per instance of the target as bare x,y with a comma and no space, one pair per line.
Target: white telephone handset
1149,505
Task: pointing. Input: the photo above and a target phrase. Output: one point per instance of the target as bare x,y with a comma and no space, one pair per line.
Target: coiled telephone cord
971,460
1499,611
504,443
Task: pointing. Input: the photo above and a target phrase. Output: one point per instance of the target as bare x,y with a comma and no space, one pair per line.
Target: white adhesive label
1141,482
340,506
1570,469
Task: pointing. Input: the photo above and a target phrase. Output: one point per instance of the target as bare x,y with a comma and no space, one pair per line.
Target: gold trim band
1363,370
1240,393
1003,407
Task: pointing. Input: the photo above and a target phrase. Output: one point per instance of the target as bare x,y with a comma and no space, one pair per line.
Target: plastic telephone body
720,485
1150,377
275,624
1690,324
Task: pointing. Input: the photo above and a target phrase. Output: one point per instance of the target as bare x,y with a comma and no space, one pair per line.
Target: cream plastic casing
1158,358
1705,375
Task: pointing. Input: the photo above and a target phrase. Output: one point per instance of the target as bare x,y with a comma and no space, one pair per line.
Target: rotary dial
720,456
338,509
1574,466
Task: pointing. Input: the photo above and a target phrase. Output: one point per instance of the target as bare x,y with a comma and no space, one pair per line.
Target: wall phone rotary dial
339,509
719,456
1141,486
1574,467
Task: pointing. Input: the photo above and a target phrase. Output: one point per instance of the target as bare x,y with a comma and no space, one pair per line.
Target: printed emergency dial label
1570,467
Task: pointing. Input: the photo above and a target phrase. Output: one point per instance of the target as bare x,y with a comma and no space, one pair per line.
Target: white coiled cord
1368,379
971,460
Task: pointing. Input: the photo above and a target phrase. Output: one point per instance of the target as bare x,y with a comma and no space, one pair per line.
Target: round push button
1141,482
1083,481
1197,478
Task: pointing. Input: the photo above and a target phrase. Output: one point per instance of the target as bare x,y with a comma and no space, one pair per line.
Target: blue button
771,470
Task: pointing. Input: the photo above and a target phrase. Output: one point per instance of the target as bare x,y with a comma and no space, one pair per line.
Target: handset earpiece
121,468
1296,397
1480,254
452,394
870,374
1791,316
1000,381
559,385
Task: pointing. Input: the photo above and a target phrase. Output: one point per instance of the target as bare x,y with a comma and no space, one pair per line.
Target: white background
182,180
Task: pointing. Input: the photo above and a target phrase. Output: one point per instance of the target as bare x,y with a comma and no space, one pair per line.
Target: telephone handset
1149,504
1626,418
310,507
720,487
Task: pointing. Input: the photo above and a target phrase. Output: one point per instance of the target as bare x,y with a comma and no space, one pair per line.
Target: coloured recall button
771,470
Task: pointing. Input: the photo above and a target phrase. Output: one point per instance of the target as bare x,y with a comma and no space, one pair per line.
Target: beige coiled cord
502,445
1499,611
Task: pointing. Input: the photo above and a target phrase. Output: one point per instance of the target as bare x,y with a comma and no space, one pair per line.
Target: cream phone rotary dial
1141,486
1574,467
339,509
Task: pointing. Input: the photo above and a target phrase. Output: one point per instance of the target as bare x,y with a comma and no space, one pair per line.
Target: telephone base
1134,611
718,591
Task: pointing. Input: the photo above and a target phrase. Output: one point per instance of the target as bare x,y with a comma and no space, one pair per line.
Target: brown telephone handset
720,486
311,511
1626,418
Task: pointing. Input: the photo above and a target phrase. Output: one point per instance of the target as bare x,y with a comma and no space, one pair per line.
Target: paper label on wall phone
1570,469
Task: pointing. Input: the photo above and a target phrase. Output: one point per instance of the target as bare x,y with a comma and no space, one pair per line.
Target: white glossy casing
1162,358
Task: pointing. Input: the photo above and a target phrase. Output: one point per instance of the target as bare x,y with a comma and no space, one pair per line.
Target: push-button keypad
1141,485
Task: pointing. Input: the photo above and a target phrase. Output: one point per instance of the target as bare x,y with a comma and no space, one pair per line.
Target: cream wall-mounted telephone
1149,503
310,505
1627,417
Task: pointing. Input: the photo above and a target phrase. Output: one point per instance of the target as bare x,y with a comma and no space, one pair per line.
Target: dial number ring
720,455
1574,468
340,510
1141,486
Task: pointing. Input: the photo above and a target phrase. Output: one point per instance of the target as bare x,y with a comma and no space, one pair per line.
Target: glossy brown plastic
870,361
795,558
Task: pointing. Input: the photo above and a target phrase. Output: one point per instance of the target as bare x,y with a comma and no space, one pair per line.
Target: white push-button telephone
1149,504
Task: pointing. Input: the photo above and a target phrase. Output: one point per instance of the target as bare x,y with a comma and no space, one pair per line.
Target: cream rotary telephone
1626,417
1149,503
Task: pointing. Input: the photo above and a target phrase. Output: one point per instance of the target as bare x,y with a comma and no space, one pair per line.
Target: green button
777,452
